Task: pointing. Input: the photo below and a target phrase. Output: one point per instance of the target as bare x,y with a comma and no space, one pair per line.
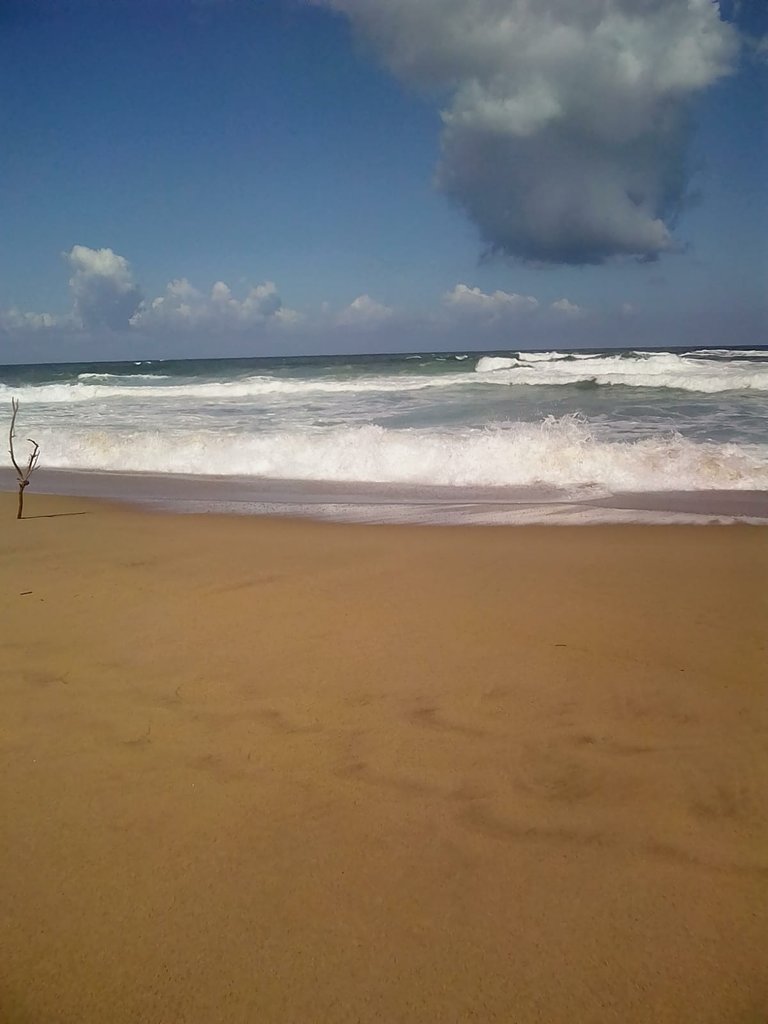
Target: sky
194,178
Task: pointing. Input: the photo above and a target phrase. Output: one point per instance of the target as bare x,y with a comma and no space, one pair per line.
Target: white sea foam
665,370
646,370
250,387
728,353
564,453
543,357
123,376
489,364
427,421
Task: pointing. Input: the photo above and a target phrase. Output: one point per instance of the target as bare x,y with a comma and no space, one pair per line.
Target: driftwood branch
22,473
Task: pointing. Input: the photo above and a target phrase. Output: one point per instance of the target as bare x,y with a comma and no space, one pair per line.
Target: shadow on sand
57,515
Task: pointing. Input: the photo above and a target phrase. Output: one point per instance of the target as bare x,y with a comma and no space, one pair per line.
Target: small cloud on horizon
107,304
15,320
465,300
567,308
182,306
364,312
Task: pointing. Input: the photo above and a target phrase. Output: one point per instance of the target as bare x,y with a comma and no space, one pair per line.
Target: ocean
438,430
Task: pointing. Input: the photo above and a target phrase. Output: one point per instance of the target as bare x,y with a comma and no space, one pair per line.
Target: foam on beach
576,422
667,370
562,453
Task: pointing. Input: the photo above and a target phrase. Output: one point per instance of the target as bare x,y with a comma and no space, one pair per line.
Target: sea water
573,424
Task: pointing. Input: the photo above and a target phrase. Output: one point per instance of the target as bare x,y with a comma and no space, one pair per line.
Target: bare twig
22,474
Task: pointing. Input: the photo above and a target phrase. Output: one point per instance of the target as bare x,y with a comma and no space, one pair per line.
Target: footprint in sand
431,718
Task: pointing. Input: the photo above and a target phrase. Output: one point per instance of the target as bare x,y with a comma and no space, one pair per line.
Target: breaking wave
250,387
667,370
564,452
123,376
702,372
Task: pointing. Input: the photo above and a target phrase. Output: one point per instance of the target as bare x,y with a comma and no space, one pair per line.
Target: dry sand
262,771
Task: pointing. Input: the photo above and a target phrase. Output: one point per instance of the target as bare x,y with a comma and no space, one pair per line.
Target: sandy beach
288,772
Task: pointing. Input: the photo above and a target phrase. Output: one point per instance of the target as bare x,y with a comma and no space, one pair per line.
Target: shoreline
281,770
383,503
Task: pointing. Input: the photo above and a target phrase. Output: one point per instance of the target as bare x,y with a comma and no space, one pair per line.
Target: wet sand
400,503
259,770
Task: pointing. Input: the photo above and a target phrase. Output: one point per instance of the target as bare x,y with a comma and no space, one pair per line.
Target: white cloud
184,306
567,308
364,312
104,292
495,305
286,317
15,320
566,128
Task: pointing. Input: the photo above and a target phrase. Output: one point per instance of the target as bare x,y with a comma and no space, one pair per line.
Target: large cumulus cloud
565,122
104,291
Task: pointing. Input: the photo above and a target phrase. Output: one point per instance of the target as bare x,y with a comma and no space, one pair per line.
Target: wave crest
641,370
692,373
563,453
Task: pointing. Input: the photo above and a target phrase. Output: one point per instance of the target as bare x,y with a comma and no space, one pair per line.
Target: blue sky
258,176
